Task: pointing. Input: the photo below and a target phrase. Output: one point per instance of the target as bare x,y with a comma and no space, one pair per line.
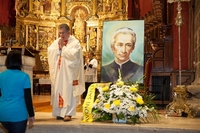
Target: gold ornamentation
179,105
38,20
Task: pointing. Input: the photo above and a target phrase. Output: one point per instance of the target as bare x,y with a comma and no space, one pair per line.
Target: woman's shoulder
22,73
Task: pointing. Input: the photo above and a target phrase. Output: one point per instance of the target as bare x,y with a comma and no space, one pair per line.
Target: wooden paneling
187,77
7,33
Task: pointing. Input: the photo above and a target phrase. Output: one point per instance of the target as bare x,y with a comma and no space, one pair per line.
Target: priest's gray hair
64,26
123,30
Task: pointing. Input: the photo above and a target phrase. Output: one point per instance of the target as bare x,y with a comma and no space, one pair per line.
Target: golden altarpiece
38,20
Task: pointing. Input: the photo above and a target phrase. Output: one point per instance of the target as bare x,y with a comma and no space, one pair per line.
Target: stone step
45,123
109,128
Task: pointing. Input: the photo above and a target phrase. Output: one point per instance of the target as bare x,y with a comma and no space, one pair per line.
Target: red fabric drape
7,14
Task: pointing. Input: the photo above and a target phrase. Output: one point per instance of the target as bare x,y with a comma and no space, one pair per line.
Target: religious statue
79,25
93,36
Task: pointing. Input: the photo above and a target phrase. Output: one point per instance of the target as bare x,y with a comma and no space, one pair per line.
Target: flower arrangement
123,102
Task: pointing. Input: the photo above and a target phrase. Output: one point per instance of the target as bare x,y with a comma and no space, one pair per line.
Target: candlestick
179,23
179,105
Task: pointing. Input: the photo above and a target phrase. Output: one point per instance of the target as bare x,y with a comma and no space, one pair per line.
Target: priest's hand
60,43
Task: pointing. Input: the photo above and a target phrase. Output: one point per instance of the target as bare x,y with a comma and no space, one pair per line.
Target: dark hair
92,53
64,26
14,60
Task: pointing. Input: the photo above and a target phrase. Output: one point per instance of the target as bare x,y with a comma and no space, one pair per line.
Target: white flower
121,99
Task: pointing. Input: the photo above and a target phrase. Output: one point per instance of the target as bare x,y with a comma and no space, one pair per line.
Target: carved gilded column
88,45
99,32
37,36
179,104
120,5
62,14
30,5
104,5
94,7
57,35
26,35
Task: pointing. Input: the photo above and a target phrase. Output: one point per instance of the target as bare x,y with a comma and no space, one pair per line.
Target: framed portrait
123,51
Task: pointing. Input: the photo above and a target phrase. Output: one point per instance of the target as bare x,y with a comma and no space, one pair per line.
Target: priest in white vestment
66,73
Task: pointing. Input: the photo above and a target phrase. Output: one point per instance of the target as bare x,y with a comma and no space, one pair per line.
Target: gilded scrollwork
92,38
21,8
107,6
46,36
37,7
100,7
32,36
46,5
38,20
56,4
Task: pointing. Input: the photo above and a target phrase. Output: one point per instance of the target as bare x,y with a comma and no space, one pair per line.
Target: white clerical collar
122,63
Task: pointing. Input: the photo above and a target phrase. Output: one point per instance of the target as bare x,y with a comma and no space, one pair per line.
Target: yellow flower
116,102
106,88
97,100
139,100
134,89
131,108
107,105
120,83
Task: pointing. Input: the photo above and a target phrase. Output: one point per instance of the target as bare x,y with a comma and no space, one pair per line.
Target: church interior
171,48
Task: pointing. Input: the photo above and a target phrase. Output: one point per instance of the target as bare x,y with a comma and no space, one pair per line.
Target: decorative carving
93,38
32,36
100,7
20,7
46,36
46,6
22,34
79,25
108,6
37,21
179,104
37,7
55,7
